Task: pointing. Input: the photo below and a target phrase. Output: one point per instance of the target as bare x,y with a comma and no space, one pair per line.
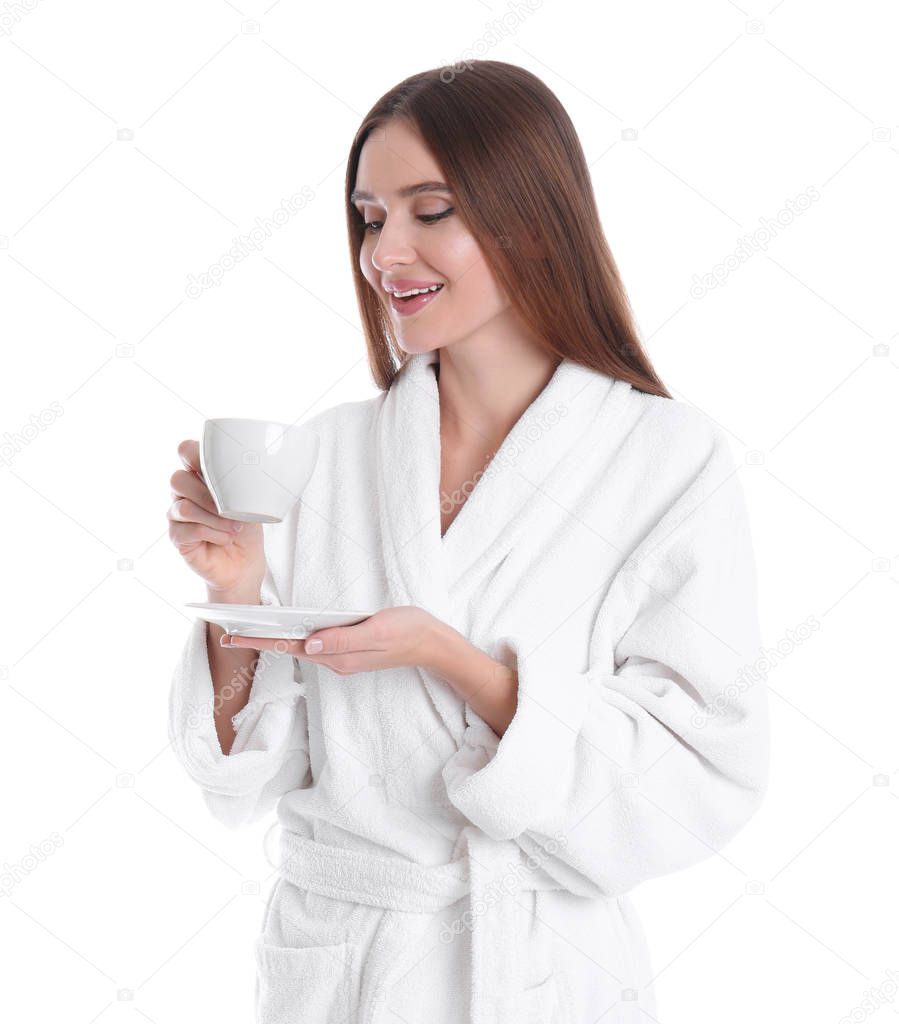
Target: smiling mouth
406,307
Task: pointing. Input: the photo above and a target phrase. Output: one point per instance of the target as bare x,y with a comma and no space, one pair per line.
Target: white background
700,122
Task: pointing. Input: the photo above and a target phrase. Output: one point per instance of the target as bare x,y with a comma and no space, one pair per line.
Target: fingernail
313,646
225,640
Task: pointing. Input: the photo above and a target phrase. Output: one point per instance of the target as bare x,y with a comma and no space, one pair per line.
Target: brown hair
521,184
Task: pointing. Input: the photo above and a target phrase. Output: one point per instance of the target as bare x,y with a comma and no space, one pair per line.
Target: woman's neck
479,406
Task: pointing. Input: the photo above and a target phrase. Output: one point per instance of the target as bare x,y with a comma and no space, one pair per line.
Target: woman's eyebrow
409,190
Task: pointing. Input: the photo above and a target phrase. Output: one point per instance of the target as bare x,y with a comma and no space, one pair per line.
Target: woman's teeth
417,291
412,302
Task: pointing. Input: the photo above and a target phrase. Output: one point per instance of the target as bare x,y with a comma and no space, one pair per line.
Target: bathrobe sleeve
656,755
270,753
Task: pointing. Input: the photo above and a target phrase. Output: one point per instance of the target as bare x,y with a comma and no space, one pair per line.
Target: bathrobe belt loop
492,872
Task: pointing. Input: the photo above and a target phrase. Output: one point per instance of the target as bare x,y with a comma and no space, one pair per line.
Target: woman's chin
408,345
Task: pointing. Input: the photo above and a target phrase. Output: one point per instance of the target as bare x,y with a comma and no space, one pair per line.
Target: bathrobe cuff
266,727
501,784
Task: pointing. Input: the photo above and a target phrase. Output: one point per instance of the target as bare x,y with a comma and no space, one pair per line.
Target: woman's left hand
392,637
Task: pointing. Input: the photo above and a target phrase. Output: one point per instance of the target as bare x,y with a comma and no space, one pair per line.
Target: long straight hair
521,184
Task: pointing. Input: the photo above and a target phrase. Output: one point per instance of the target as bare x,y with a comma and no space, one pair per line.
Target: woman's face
418,237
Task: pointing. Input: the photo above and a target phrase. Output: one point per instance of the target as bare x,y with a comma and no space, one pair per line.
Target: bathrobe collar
421,566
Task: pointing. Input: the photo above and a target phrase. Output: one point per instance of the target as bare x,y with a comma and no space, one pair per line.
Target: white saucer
272,621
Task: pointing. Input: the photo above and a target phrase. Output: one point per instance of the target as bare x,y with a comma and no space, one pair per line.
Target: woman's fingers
185,484
279,645
189,451
186,511
186,535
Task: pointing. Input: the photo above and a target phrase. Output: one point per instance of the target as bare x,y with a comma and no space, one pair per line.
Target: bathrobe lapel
508,500
408,475
516,497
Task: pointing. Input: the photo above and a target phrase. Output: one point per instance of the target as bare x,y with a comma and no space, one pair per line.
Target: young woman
550,705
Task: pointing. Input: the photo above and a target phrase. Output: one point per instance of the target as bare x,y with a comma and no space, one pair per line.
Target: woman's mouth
406,307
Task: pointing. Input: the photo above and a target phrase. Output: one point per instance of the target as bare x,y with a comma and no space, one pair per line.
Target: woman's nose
393,245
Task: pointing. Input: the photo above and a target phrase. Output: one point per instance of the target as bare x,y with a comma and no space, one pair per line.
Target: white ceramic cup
256,469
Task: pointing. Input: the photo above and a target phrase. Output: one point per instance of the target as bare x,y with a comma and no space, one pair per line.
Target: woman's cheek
476,286
460,252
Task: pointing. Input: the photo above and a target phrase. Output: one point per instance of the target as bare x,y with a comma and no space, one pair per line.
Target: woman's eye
428,218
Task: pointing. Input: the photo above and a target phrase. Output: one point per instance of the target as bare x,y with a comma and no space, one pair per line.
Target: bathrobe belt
492,872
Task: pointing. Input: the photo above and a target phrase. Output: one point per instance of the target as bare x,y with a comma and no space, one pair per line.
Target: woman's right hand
231,562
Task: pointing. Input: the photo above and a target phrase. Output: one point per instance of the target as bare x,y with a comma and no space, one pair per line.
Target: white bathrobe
430,870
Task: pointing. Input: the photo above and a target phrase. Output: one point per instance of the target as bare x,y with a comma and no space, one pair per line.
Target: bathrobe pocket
305,984
540,1004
